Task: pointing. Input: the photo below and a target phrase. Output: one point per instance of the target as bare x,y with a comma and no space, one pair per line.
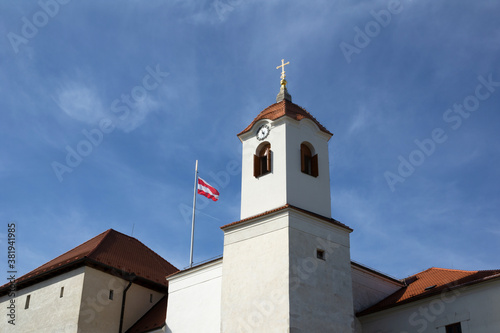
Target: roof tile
431,282
112,248
285,108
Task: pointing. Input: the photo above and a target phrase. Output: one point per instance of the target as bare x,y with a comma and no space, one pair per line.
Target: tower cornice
284,208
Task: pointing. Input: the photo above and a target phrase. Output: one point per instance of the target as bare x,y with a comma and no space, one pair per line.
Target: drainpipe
130,279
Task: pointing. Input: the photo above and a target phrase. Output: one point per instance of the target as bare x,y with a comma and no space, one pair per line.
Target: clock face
263,132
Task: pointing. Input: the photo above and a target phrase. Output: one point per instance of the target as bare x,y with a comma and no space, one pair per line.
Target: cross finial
283,94
282,66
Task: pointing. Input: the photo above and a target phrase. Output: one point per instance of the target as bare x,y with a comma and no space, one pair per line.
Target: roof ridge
452,269
69,251
148,251
107,233
489,270
110,249
482,278
308,113
156,256
258,117
414,275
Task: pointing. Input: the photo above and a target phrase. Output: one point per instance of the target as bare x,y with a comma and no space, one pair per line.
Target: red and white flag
207,190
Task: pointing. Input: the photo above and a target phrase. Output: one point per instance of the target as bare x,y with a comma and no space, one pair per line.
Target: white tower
286,263
285,161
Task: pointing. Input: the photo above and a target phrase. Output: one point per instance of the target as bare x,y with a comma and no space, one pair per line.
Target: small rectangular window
27,304
61,294
320,254
111,294
454,328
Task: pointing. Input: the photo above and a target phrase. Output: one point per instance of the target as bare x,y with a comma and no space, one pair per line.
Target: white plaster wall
84,307
269,191
286,183
138,304
273,282
477,307
194,300
369,288
255,276
320,290
47,312
305,191
98,312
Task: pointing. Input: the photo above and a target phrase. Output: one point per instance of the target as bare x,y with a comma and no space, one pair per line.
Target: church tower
285,159
286,263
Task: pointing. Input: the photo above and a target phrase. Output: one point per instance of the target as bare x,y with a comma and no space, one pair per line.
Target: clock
263,132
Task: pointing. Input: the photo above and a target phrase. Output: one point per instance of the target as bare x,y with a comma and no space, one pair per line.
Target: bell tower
286,263
285,159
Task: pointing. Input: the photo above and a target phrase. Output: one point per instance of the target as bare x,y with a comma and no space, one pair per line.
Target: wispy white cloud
359,121
211,11
137,114
83,103
80,102
394,92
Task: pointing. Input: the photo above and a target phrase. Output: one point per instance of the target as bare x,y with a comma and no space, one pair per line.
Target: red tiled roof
429,283
153,319
284,108
327,219
110,249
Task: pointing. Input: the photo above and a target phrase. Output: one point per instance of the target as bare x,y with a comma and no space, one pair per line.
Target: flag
205,189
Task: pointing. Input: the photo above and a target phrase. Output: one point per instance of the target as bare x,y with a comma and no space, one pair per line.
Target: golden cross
282,66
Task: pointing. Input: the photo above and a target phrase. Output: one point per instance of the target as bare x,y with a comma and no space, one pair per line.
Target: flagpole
194,209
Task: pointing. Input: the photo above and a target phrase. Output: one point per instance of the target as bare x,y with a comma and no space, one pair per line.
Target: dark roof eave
155,329
140,280
85,261
44,276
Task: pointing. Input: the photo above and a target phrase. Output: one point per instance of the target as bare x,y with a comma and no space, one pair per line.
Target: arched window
262,161
308,162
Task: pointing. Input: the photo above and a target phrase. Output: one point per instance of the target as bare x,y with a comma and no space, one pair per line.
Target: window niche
262,160
308,161
320,254
454,328
27,304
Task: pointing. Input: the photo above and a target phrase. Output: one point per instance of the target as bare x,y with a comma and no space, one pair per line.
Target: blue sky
411,91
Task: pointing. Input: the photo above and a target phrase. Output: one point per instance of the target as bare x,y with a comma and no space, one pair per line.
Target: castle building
111,283
286,264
